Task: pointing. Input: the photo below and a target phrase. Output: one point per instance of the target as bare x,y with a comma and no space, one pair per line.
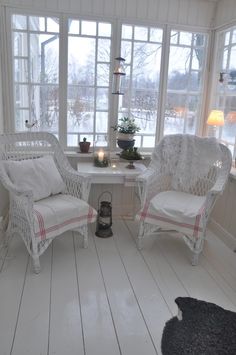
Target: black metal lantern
104,218
118,75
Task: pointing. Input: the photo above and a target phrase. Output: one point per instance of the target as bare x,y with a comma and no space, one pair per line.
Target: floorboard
110,298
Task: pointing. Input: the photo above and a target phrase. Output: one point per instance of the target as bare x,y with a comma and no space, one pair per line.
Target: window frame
217,63
116,26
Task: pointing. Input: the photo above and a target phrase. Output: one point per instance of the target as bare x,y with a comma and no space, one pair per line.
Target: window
141,47
89,53
184,82
36,71
225,85
76,102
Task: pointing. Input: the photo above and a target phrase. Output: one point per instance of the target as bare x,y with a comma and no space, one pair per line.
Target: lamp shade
216,118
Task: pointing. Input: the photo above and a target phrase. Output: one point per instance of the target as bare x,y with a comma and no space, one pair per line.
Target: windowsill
89,155
146,155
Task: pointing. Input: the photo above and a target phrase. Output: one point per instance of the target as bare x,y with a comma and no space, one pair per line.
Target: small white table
118,175
120,181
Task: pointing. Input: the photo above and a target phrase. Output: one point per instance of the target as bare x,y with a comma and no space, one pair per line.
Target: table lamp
215,119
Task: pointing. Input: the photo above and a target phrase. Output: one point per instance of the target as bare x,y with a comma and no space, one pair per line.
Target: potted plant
84,145
126,129
131,154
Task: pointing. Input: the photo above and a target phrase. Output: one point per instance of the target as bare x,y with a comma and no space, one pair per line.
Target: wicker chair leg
85,236
140,236
195,258
36,264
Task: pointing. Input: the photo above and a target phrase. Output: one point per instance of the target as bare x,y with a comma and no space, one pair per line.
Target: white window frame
115,50
214,97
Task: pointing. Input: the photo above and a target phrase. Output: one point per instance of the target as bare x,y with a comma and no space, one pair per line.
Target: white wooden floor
107,299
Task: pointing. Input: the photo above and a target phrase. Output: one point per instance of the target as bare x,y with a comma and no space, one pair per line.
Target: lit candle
101,156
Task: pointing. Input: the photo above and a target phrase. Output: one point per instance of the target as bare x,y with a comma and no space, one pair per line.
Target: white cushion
39,175
57,214
176,210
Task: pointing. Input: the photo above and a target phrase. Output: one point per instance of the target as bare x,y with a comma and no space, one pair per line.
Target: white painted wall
185,12
225,13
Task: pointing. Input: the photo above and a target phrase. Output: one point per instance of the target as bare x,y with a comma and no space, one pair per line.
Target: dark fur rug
205,329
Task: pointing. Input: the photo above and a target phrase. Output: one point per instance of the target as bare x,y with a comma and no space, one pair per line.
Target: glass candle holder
101,158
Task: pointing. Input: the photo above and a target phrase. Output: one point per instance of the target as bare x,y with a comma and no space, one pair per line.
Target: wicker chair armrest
148,174
77,184
12,188
219,185
150,183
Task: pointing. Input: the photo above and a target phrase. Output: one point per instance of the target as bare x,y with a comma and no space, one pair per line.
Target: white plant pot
125,136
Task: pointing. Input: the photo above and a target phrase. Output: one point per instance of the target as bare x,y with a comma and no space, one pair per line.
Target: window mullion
163,83
63,60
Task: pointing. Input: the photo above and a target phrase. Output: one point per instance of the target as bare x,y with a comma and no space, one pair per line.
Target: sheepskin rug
201,328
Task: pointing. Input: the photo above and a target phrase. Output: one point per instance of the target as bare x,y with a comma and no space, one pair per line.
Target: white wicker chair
22,208
179,188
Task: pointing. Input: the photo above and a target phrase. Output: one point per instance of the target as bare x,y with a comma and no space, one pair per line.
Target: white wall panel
226,12
120,8
142,9
183,11
99,7
152,9
86,6
53,4
192,12
131,9
205,13
62,5
163,10
75,6
108,6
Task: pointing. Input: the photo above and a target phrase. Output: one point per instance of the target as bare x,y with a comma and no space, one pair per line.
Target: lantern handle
103,193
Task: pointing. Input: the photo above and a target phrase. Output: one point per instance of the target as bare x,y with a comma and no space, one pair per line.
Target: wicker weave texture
198,166
32,145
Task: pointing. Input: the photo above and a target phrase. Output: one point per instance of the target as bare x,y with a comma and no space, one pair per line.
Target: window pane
87,95
104,46
37,23
149,142
19,22
185,85
127,32
81,63
44,58
226,92
102,99
88,28
141,33
52,24
126,50
20,117
21,96
36,100
45,104
234,37
143,63
103,74
73,26
101,122
20,44
21,70
174,37
104,29
185,38
156,35
227,37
